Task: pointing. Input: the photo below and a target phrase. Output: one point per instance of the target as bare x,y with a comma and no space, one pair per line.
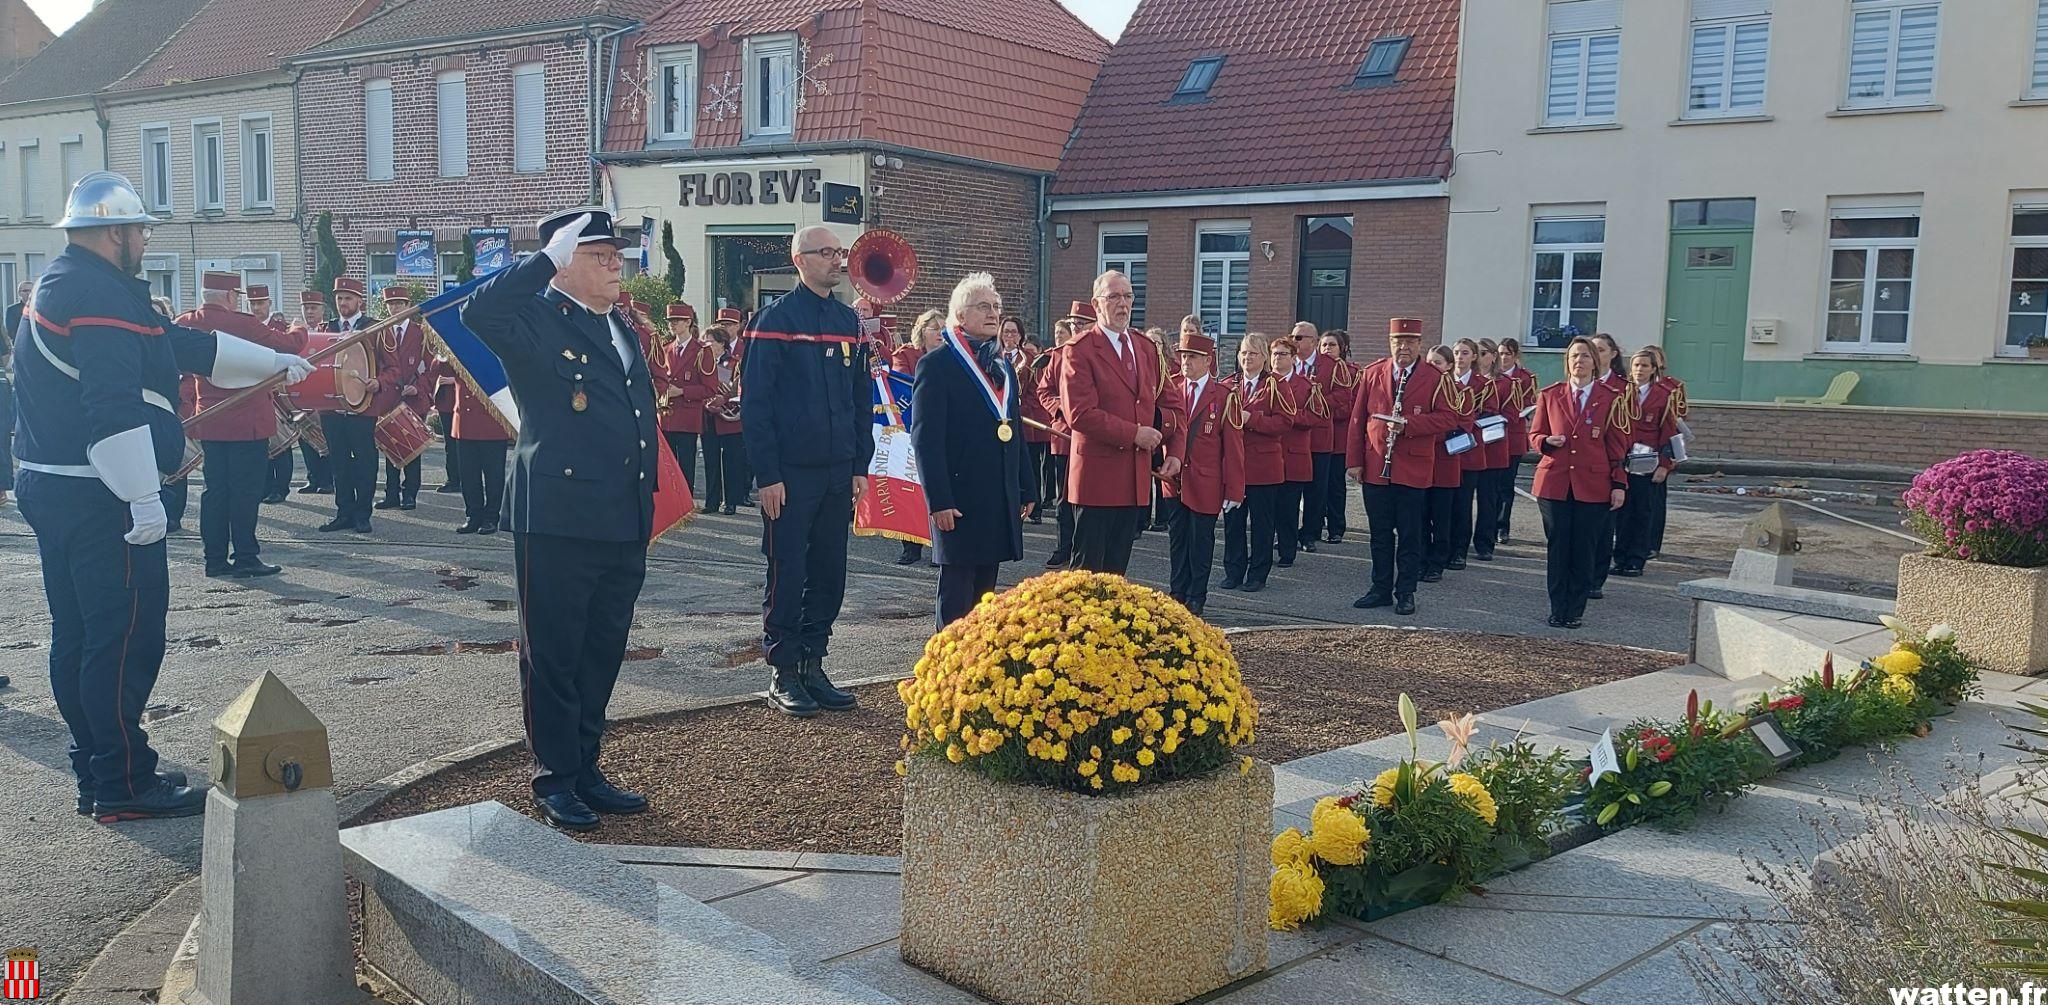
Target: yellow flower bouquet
1079,681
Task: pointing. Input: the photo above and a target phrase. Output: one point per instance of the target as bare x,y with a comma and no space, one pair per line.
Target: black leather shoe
254,570
386,504
1455,564
1036,519
1596,595
1573,623
729,511
161,800
604,797
409,504
1504,538
1285,563
312,490
1255,586
1433,577
220,572
274,497
1232,584
174,778
1484,556
489,528
1372,600
1556,622
447,489
1334,539
468,527
1404,604
336,524
176,527
1058,560
788,693
566,810
1309,546
910,558
361,527
828,696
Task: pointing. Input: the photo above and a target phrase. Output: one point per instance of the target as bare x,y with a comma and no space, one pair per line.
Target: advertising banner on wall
493,248
416,258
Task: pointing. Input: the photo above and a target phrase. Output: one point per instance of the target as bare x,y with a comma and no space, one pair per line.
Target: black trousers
279,480
174,495
402,483
1574,530
480,470
1486,525
1437,507
1191,553
1248,533
1657,516
1634,530
107,607
6,430
734,476
1458,537
684,446
352,451
1603,549
236,474
576,602
1334,496
319,473
1056,477
1507,497
714,473
806,550
961,587
451,460
1393,516
1315,497
1103,536
1035,470
1287,517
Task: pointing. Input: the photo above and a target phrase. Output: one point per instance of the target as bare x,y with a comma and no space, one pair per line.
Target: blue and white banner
475,364
416,258
493,249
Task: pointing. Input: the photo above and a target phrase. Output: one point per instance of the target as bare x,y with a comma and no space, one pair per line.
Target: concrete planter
2000,613
1030,896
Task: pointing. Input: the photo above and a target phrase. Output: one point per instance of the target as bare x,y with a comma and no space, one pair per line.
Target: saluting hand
561,246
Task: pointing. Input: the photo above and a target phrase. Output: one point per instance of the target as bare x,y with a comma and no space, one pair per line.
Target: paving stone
1967,741
1832,631
883,969
1373,970
813,861
1787,599
1665,977
823,915
710,882
1553,950
1660,695
1283,948
740,858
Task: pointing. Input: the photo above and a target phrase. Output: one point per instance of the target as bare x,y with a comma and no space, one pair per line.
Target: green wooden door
1707,311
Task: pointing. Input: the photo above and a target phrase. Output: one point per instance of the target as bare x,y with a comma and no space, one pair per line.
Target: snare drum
312,435
285,434
343,382
402,436
193,458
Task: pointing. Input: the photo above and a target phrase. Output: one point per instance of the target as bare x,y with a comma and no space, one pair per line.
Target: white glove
295,366
151,523
562,246
1229,505
238,362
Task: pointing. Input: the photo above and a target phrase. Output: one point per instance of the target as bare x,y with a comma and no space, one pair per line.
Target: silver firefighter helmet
102,199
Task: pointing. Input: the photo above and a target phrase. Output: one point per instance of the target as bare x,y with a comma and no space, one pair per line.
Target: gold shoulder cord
1233,411
1345,370
1160,350
1618,414
1678,395
1316,403
1282,401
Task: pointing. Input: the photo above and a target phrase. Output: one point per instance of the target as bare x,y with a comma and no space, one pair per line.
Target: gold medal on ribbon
1003,431
579,401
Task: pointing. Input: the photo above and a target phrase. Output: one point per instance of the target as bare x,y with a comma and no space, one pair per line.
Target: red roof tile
1283,109
232,37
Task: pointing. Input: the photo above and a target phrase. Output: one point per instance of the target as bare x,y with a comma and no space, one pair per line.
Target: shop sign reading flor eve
767,186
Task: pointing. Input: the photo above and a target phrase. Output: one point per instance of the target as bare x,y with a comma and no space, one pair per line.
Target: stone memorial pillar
274,924
1768,546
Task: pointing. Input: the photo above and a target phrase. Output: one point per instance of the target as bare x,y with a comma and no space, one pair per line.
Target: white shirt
352,322
620,342
1195,391
1582,392
1116,341
1643,395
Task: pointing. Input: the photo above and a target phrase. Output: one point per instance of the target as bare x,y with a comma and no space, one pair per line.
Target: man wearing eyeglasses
1114,395
807,405
580,499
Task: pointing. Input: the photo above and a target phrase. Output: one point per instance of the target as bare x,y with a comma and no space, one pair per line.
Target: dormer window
1382,62
1194,85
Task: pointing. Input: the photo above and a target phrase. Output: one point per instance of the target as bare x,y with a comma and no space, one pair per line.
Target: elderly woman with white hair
966,424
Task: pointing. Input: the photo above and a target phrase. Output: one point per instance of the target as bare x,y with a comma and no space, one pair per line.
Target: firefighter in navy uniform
98,385
580,501
807,404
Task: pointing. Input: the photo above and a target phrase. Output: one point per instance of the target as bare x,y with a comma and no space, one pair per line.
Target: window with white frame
1730,55
451,108
529,118
377,130
71,162
30,178
673,116
1564,298
36,262
770,90
1583,73
1871,257
2026,298
1123,248
209,167
1892,52
257,162
2037,86
1223,270
7,283
156,168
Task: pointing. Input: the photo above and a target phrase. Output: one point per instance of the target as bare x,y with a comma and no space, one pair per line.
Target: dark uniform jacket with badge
585,466
99,360
806,398
963,464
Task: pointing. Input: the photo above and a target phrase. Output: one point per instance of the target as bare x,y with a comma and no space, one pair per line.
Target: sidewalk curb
1796,469
138,961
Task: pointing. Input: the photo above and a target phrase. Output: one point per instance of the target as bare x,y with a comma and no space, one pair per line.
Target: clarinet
1394,428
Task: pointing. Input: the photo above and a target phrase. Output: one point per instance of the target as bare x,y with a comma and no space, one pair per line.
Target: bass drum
343,382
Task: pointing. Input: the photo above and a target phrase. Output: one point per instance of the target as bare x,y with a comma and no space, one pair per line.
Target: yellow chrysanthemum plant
1079,681
1419,833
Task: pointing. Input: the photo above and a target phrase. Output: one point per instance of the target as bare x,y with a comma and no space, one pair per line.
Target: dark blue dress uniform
807,401
965,466
580,504
95,359
351,444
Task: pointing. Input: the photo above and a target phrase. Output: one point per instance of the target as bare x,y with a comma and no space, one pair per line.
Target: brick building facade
962,218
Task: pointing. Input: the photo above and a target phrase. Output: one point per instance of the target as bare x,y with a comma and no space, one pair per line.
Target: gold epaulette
1345,370
1678,397
1317,405
1160,348
1282,401
1635,408
1233,410
1619,413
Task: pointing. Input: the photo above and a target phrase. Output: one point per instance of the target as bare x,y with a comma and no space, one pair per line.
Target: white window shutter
377,129
529,117
2041,50
453,105
1573,16
1716,10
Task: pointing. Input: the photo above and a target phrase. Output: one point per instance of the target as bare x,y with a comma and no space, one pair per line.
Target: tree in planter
328,262
465,270
676,274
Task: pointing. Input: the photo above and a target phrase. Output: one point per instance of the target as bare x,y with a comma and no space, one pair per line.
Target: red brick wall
1397,262
1868,436
961,219
334,169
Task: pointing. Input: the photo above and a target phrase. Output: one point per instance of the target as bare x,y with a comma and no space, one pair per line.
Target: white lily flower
1940,633
1897,627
